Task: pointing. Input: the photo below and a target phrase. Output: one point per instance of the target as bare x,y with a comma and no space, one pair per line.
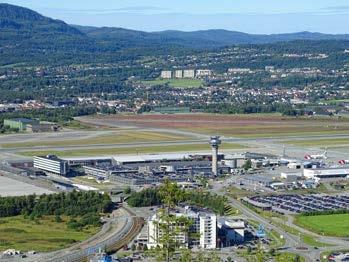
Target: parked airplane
343,162
319,156
285,160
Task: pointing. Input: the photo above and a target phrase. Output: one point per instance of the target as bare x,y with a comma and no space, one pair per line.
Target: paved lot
11,187
303,203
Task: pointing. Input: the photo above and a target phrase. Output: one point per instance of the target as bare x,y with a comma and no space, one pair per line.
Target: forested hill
22,22
26,36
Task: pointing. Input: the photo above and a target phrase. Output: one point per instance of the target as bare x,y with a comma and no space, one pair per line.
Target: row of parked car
304,203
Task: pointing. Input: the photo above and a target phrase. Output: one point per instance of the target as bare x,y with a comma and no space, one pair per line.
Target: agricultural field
132,150
330,225
114,138
182,83
41,235
249,126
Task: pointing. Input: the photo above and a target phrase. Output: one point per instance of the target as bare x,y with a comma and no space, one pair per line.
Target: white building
179,74
239,70
203,72
155,233
208,231
233,230
166,74
189,73
51,164
291,175
326,173
204,224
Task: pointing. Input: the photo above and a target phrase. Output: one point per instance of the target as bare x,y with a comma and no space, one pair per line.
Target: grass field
185,83
287,257
337,142
42,236
132,150
255,125
115,138
336,101
330,225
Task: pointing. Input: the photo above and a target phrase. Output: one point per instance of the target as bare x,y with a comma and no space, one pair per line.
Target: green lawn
287,257
42,235
336,101
305,238
115,138
175,82
330,225
131,150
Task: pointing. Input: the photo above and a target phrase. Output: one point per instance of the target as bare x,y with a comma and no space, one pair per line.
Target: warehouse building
322,173
51,164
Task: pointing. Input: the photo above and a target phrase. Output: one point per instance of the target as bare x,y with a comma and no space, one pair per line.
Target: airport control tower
215,142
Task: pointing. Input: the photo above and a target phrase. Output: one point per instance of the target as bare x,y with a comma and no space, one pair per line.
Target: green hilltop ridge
28,37
16,20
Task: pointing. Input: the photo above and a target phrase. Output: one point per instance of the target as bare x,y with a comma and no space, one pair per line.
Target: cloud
130,9
337,8
142,8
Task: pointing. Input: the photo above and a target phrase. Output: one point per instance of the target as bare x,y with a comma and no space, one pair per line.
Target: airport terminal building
51,164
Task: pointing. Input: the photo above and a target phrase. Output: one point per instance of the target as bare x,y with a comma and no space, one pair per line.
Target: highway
115,233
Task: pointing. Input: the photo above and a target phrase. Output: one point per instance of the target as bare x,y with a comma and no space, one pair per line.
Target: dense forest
27,36
152,197
83,208
55,115
70,204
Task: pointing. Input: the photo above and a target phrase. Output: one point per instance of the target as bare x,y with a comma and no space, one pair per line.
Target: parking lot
11,187
301,203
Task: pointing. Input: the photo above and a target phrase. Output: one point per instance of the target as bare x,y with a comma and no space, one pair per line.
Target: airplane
343,162
285,160
322,156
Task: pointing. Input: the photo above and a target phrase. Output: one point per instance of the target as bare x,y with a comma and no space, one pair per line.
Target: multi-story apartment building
202,223
166,74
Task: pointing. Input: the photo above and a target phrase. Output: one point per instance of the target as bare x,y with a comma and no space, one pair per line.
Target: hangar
326,173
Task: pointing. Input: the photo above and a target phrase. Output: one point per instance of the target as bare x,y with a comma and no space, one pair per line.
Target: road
293,242
115,230
273,145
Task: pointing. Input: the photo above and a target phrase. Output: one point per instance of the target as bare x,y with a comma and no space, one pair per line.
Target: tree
127,190
170,225
260,253
297,258
133,247
58,218
247,165
186,255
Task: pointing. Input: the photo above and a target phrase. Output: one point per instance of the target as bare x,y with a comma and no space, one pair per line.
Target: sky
250,16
